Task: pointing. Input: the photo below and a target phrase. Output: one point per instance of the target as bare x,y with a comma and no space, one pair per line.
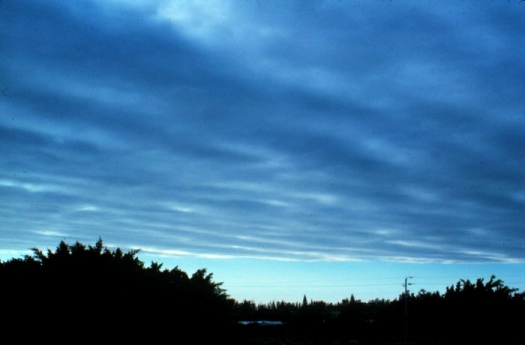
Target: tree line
91,293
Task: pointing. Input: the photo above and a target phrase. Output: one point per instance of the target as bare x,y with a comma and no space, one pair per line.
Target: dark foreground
91,294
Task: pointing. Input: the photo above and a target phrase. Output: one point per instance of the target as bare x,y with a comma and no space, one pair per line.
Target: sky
291,148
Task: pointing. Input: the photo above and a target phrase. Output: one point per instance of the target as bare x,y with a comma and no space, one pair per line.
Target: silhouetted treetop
493,288
123,294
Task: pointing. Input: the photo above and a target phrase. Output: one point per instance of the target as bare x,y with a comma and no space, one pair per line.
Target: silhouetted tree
93,292
479,311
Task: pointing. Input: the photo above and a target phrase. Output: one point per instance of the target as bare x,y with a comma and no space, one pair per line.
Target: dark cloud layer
298,131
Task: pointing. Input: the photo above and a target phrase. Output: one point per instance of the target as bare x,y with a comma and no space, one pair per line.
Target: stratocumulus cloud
303,131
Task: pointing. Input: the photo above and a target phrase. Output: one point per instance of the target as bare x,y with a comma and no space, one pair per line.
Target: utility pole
406,307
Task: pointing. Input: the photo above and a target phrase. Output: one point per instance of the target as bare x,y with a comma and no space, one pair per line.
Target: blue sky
318,148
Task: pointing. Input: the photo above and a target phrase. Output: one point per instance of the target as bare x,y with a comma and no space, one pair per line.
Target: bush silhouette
96,293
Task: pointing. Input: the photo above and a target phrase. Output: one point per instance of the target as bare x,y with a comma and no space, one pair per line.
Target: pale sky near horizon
318,148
